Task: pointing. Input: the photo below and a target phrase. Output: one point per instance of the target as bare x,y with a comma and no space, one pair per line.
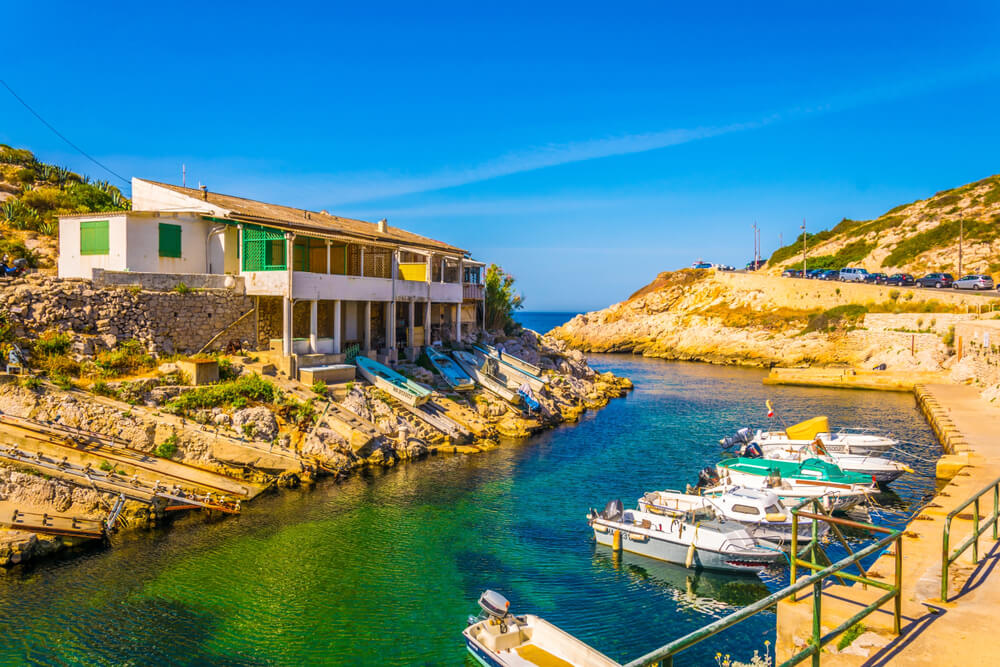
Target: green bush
61,380
129,357
102,388
181,288
237,393
30,382
227,369
319,387
167,448
837,317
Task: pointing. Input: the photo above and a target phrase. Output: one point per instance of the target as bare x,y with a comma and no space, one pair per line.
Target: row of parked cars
973,281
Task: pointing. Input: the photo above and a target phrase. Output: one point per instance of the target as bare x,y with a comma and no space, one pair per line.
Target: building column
329,269
361,272
286,327
427,324
411,340
368,326
458,322
389,324
336,326
314,326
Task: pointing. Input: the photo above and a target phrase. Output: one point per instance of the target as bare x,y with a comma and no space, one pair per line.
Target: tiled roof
301,220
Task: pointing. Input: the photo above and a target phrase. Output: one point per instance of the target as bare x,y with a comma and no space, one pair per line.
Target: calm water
384,570
541,321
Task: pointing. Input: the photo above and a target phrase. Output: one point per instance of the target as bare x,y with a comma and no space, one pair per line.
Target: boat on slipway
452,373
516,371
480,369
696,539
795,481
761,513
498,638
844,441
392,383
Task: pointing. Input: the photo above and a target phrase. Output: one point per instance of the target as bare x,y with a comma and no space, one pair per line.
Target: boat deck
536,655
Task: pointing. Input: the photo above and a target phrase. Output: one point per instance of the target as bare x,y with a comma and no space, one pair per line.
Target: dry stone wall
165,322
979,345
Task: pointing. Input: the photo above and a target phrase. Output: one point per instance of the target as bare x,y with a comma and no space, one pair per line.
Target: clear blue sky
584,147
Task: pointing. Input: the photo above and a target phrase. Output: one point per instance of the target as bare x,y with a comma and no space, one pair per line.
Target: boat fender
616,540
690,553
776,517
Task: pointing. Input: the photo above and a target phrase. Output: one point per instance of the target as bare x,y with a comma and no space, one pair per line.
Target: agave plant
49,228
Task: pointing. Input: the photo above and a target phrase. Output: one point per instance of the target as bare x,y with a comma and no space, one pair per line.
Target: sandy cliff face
696,315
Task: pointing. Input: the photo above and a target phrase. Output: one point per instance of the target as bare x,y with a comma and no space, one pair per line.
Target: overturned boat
795,481
762,513
393,383
696,539
498,638
452,373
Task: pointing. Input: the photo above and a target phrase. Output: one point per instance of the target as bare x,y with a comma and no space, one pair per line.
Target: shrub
836,317
850,635
167,448
894,294
61,380
319,387
52,342
62,364
181,288
102,388
949,337
30,382
236,393
129,357
227,369
349,386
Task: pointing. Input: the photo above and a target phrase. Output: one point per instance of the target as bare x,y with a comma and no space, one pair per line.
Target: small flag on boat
770,410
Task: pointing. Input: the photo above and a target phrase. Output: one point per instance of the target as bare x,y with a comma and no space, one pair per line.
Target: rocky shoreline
289,441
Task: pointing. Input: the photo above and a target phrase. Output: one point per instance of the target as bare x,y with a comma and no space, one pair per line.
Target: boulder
258,421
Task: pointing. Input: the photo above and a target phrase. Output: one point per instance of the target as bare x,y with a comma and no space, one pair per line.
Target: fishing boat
762,513
510,359
881,469
498,638
794,481
481,371
514,374
452,373
844,441
696,539
393,383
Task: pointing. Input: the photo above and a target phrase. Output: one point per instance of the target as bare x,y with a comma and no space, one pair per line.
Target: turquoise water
384,569
542,321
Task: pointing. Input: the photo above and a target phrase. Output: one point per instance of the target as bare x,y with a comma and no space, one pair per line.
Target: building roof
305,221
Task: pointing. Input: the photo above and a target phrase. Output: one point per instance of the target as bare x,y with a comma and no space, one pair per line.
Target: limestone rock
258,422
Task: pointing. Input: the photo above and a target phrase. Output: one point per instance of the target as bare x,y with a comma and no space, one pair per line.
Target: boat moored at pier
794,481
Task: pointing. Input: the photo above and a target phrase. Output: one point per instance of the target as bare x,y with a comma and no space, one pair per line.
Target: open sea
542,321
383,569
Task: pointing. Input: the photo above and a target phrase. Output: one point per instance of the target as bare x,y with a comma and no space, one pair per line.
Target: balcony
307,285
473,292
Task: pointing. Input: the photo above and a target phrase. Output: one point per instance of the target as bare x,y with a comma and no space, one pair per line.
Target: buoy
616,540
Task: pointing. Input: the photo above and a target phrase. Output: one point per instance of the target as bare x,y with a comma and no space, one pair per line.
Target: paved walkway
958,632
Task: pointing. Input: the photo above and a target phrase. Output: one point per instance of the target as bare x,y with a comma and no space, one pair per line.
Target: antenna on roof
184,175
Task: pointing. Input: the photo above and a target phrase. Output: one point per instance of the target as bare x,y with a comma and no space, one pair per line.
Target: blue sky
584,147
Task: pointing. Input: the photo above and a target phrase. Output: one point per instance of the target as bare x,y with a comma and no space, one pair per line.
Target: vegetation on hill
32,196
915,237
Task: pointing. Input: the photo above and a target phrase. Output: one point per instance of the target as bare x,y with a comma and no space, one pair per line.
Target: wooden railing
473,292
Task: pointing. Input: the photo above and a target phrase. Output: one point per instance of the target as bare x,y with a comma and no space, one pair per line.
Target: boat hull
372,374
675,552
471,366
452,373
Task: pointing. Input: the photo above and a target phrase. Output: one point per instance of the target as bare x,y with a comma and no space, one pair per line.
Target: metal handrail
663,656
947,557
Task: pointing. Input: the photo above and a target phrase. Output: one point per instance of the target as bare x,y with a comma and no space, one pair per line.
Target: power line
60,135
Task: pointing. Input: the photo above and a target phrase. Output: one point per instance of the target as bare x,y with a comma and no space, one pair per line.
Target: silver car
974,282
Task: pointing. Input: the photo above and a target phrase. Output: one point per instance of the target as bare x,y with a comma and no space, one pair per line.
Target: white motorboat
795,481
843,441
761,512
497,638
696,539
882,470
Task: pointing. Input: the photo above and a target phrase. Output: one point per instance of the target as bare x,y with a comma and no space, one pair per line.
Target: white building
351,286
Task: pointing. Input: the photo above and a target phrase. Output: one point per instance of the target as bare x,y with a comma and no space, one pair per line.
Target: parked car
975,281
789,273
853,275
814,273
754,265
829,274
876,278
938,280
901,280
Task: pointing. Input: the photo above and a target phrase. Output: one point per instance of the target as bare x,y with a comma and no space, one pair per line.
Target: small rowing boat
452,373
498,638
393,383
480,370
509,358
514,374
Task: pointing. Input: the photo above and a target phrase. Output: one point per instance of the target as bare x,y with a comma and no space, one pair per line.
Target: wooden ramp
46,523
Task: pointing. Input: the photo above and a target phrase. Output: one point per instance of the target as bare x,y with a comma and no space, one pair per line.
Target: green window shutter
93,237
170,240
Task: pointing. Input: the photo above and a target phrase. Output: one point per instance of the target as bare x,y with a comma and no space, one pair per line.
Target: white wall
144,245
74,265
353,311
150,197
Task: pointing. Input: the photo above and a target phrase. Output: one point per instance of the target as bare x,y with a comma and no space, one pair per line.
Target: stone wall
938,323
165,322
167,281
978,344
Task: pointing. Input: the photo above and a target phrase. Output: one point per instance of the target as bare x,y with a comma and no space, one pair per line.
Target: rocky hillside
32,196
915,238
761,320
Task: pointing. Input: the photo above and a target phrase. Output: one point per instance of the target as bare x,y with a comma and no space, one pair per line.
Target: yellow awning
808,429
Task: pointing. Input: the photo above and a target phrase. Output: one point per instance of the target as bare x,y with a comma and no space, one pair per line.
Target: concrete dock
957,632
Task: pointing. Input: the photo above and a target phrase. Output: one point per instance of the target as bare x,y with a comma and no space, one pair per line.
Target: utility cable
61,136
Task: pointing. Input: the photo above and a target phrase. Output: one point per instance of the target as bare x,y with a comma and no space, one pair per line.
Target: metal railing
664,655
947,556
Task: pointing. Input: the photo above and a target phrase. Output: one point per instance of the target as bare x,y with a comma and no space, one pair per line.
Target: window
170,240
93,237
746,509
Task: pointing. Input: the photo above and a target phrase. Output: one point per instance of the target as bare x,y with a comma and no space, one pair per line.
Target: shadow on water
384,568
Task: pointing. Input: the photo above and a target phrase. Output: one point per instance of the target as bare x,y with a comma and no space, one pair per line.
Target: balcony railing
472,292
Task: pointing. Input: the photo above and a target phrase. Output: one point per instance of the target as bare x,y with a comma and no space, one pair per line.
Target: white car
853,275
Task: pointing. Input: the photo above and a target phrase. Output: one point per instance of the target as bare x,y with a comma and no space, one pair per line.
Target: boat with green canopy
795,481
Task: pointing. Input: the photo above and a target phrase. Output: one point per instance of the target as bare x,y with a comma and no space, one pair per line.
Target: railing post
817,612
996,508
975,532
945,555
896,622
795,546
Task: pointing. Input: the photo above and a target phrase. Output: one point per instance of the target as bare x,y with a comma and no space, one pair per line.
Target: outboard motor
708,476
613,511
494,604
752,450
743,435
